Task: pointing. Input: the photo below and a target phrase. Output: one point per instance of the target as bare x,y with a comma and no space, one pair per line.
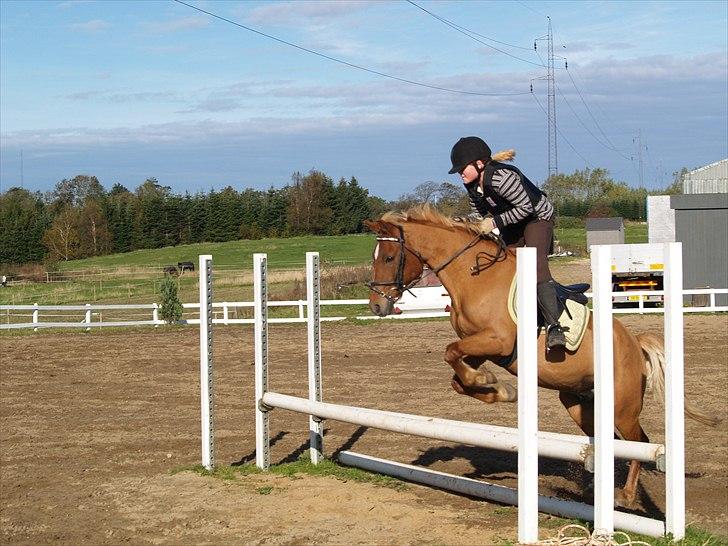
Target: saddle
574,316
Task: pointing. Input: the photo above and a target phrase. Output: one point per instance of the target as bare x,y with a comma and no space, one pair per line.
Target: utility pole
551,79
638,141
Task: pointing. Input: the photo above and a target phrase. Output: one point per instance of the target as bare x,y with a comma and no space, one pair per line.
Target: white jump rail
473,434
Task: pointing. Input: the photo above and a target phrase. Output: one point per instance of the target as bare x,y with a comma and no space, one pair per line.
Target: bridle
398,281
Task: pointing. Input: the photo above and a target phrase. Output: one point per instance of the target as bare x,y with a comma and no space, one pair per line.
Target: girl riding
505,199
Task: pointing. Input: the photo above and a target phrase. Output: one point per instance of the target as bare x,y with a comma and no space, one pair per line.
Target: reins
479,266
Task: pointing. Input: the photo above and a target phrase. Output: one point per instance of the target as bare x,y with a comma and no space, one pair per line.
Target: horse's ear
377,226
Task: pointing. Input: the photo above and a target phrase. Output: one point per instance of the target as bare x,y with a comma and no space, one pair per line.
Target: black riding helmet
466,151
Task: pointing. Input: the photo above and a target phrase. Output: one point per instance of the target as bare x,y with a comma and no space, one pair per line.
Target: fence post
155,314
300,304
88,316
601,262
260,292
206,384
35,315
313,293
527,396
225,313
674,393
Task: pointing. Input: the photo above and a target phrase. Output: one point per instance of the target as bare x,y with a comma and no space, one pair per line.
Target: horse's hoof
623,501
507,393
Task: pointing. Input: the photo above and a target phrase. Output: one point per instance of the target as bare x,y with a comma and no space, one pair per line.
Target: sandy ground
93,424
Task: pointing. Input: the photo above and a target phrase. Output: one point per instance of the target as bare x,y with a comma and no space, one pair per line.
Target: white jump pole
674,393
260,299
315,389
601,264
206,383
527,396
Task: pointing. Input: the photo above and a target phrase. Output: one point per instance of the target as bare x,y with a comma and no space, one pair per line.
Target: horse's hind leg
630,429
582,412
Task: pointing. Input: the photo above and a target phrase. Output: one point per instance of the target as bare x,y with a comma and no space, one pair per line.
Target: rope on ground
576,535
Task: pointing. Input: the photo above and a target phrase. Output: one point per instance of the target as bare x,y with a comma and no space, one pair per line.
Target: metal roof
711,178
604,224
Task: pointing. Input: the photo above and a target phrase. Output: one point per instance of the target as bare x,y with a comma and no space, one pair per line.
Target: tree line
79,218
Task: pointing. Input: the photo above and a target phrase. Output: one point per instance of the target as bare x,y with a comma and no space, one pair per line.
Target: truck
637,267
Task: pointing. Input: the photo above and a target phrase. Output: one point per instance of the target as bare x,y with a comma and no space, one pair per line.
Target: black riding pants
535,233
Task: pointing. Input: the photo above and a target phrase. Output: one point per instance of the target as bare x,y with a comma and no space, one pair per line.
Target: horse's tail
654,351
505,155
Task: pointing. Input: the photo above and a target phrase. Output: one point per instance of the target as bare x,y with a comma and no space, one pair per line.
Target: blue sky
131,90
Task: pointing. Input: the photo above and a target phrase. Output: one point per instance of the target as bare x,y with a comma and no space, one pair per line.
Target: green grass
282,253
302,466
574,239
134,277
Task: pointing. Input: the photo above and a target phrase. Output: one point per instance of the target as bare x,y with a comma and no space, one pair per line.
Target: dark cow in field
171,270
185,266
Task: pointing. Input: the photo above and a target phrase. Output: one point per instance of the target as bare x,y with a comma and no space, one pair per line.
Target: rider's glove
486,225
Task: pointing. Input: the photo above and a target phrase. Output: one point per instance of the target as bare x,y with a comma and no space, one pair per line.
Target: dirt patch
92,425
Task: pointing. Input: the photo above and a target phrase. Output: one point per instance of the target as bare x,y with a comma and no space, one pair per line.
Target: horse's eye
388,258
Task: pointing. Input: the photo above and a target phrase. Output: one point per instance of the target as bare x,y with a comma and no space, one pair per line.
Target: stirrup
555,336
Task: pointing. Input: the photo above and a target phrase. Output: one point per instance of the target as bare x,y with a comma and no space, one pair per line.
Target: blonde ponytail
505,155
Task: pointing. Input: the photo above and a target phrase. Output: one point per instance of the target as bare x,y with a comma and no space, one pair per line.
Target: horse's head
395,267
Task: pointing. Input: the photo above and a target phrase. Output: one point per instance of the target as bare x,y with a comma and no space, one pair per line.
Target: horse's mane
425,214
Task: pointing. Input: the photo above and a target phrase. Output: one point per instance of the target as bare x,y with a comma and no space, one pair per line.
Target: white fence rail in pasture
428,305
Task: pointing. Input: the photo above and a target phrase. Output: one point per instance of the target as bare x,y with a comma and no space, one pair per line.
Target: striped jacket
509,196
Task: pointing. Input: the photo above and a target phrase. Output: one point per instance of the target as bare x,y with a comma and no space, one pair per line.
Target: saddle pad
574,326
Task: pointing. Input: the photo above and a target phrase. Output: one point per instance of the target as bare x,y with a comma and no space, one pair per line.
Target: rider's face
470,173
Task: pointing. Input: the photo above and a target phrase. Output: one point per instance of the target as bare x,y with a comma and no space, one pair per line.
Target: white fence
527,440
432,306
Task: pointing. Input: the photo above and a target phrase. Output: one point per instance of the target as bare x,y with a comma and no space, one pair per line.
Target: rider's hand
486,225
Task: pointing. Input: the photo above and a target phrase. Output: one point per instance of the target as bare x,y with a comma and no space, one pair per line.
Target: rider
506,199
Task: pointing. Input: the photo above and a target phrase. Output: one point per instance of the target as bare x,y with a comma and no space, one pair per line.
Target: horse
477,271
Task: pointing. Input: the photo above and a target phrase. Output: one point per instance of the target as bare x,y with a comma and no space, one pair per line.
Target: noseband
398,281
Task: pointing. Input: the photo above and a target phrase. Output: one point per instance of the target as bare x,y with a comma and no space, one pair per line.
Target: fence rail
226,312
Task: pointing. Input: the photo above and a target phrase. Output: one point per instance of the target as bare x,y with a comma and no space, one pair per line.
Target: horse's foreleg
496,392
478,383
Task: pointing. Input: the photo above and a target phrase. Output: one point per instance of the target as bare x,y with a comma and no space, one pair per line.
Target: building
699,220
712,178
604,231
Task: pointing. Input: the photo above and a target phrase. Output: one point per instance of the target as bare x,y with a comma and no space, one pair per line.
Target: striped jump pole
206,376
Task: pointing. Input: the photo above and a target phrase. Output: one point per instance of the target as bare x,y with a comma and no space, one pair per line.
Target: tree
309,209
75,191
23,219
171,308
62,239
93,230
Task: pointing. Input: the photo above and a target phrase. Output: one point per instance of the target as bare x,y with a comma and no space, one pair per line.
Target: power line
346,63
611,148
469,32
530,8
590,112
561,134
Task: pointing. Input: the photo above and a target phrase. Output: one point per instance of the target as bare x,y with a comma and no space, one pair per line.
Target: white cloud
176,25
303,12
94,25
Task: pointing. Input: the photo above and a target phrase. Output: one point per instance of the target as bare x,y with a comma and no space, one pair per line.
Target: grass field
134,277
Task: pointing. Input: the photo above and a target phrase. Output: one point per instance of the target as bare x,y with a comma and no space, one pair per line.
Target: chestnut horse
477,271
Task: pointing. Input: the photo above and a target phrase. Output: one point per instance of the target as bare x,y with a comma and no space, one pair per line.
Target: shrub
171,308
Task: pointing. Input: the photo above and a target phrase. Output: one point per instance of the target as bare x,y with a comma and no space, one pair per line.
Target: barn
604,231
699,219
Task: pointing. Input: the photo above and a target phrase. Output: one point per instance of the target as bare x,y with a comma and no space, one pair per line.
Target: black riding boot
550,309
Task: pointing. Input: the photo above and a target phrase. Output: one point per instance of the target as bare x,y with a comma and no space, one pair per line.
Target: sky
128,90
